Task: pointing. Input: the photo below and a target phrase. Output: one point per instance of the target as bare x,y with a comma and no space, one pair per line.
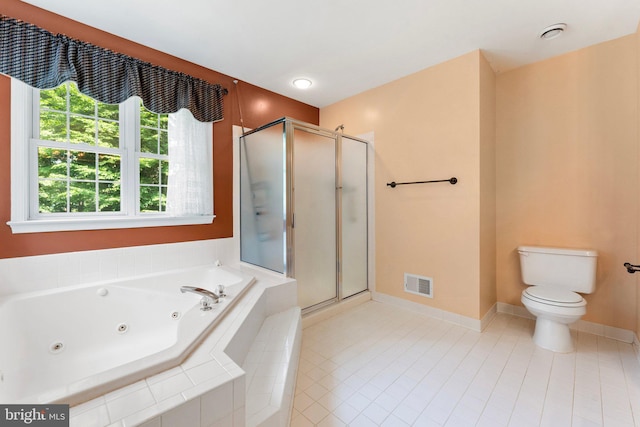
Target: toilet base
553,335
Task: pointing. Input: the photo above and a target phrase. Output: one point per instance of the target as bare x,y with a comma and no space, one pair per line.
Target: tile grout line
533,378
444,332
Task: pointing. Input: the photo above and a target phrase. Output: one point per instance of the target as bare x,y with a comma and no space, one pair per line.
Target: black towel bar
452,181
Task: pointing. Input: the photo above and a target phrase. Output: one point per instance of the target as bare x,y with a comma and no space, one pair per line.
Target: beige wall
564,136
566,167
487,186
638,181
428,126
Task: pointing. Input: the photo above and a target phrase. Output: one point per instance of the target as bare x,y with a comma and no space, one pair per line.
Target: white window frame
24,171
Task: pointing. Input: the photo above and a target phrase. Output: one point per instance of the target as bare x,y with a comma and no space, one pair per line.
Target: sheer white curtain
190,187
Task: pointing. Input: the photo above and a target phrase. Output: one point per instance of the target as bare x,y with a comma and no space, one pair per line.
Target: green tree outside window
88,179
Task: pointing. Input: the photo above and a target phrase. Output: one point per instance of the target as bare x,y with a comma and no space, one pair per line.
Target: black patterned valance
45,60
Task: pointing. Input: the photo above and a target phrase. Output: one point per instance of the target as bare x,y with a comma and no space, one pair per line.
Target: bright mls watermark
34,415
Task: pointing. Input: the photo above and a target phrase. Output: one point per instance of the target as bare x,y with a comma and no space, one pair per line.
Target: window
79,154
80,164
153,160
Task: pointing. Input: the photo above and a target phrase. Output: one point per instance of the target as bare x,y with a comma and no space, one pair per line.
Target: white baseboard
488,317
619,334
436,313
516,310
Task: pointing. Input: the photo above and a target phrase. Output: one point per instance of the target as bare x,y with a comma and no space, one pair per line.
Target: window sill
74,224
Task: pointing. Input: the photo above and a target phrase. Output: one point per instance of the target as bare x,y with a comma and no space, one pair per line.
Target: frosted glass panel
262,217
354,217
315,217
294,162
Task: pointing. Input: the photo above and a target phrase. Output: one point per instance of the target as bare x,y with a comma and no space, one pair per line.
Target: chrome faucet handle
220,291
206,304
208,298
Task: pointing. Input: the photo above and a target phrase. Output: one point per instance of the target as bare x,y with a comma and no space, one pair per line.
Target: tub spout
208,297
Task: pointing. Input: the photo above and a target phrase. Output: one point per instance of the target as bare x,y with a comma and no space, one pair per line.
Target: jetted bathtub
72,344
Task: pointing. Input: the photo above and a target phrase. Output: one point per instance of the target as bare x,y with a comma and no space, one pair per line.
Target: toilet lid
562,296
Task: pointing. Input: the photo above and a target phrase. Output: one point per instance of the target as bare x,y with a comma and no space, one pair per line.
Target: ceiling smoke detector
552,31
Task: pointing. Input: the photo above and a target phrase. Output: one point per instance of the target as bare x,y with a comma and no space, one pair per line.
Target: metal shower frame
290,125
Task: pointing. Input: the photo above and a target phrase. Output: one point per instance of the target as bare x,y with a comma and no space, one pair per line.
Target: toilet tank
571,269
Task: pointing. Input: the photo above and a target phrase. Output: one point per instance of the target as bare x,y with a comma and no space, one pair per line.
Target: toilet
556,277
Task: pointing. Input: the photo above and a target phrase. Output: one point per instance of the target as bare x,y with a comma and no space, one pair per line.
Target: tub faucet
208,297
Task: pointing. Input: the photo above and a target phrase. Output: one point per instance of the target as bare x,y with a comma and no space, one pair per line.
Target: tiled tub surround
42,272
210,387
271,370
76,343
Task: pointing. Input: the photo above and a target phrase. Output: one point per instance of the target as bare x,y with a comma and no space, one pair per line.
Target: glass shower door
314,221
262,208
303,208
354,217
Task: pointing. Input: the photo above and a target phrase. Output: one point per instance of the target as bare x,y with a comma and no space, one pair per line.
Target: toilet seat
553,296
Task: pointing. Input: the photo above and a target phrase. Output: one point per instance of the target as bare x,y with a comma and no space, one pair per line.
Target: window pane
148,140
109,194
52,196
54,99
109,111
79,180
164,143
82,165
108,167
147,118
80,103
164,121
164,172
163,199
82,196
149,171
154,172
108,134
149,199
82,130
52,163
53,126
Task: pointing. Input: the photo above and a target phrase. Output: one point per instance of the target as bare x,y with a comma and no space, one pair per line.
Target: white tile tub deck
270,375
209,388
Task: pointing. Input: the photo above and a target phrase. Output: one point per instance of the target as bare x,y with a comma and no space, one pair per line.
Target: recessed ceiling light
302,83
552,31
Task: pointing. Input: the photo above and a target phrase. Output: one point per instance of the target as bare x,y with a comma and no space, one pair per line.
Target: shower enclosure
303,208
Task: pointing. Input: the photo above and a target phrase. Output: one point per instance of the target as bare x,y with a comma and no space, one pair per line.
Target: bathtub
73,344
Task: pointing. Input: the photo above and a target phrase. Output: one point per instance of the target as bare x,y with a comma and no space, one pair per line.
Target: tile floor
381,365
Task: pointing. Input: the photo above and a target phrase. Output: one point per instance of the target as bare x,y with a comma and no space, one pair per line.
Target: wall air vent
418,285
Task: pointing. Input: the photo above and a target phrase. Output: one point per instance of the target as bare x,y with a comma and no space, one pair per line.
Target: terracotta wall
258,106
567,169
427,126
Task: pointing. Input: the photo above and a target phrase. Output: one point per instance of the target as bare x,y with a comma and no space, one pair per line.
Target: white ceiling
348,46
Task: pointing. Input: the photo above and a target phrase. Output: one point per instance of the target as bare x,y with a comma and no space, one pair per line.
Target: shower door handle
631,268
